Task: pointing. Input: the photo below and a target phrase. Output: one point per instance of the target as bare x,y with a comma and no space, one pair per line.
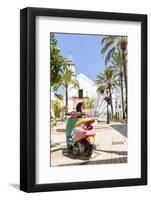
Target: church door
79,107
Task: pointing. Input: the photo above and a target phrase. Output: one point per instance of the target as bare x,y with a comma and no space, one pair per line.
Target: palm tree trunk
122,96
66,91
110,93
125,75
108,118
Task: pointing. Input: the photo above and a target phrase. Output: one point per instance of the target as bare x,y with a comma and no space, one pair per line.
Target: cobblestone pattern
111,146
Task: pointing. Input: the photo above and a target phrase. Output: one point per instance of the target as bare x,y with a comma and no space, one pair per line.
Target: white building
87,90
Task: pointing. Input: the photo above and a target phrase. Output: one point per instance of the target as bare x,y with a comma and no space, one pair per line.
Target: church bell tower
71,63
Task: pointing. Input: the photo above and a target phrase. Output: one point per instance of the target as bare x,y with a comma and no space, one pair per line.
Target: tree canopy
56,60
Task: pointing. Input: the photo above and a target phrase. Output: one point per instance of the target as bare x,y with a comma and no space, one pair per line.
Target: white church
87,90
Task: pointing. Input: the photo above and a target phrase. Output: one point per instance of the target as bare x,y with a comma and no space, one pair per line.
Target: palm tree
110,45
67,77
123,45
106,82
117,66
56,60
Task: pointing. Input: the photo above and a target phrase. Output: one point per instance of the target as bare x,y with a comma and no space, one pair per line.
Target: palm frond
106,46
109,55
101,89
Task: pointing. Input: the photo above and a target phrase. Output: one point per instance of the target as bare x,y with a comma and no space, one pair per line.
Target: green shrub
56,106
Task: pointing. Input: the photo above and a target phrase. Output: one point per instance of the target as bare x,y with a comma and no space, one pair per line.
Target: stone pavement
110,140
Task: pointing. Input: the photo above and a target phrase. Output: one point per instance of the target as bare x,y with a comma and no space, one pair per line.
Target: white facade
89,90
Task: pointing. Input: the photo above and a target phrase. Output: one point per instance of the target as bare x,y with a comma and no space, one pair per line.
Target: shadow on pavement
109,161
106,161
121,128
76,157
124,153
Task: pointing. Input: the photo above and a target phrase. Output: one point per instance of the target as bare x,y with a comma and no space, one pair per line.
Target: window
80,93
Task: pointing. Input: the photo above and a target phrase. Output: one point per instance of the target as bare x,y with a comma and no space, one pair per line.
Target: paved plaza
110,140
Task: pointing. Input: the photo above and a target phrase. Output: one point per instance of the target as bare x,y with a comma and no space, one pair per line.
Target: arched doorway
79,107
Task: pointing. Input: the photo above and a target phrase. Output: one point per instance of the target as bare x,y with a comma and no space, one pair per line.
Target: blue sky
85,51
